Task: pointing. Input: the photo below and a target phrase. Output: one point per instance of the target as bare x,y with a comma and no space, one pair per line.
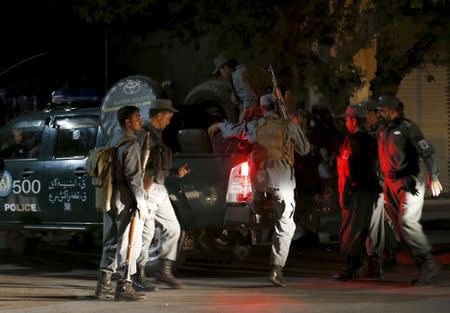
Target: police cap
220,61
162,104
388,101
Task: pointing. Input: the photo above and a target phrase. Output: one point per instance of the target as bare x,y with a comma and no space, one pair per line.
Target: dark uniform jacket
128,190
159,165
359,154
400,144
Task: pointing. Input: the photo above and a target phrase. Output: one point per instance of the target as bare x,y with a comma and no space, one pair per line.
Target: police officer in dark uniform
400,145
158,168
382,238
127,194
358,187
271,172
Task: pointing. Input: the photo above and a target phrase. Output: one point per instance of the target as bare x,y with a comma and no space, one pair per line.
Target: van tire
214,93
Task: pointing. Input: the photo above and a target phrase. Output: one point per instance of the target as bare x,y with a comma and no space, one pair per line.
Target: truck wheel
154,252
214,93
15,241
234,250
241,251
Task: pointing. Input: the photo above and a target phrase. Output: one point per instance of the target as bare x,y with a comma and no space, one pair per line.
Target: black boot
126,292
105,288
370,269
349,272
428,267
141,282
166,275
276,276
390,261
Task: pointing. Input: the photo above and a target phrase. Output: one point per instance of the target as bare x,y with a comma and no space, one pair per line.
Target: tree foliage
410,33
108,11
312,42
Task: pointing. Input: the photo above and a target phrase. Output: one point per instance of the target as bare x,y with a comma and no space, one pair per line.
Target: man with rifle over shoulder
128,201
274,140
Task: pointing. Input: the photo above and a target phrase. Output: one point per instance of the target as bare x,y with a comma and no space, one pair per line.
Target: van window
76,136
22,140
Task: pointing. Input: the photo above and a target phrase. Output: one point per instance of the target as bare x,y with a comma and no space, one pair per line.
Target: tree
410,34
295,35
312,42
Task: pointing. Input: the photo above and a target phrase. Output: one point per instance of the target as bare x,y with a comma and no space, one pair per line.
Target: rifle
279,99
145,156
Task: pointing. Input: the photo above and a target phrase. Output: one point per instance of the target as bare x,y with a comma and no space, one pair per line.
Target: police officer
248,82
358,187
127,192
400,145
274,142
158,168
382,238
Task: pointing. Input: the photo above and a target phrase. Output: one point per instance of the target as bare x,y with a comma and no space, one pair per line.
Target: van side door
70,195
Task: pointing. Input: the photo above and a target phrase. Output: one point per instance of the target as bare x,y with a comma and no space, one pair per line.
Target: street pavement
229,288
57,279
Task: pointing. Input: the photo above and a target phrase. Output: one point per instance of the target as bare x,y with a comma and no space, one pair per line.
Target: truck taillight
239,186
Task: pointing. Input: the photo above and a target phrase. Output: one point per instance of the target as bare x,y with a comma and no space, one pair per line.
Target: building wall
428,104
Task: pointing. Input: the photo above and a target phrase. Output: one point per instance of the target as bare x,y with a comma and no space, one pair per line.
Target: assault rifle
278,95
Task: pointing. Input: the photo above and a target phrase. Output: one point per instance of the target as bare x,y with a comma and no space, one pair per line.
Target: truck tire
154,252
214,93
236,251
16,242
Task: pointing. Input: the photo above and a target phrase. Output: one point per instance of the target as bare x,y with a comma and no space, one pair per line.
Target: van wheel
214,93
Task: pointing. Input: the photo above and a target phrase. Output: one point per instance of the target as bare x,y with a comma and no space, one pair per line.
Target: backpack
101,165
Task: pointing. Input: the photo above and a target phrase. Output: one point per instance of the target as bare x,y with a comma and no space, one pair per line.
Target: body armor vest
271,141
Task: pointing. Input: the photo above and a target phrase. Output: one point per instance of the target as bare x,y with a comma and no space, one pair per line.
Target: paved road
229,289
54,280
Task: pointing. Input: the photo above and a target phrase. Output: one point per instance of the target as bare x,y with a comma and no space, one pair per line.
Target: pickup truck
45,187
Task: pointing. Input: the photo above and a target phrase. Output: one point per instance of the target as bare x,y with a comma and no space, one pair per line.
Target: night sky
76,51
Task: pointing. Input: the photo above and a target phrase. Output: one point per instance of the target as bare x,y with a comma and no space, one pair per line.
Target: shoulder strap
123,141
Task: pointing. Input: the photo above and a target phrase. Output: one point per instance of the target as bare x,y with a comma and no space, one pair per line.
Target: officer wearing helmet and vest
271,171
400,145
158,168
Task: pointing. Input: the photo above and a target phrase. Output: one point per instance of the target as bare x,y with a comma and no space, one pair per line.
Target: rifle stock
147,181
131,241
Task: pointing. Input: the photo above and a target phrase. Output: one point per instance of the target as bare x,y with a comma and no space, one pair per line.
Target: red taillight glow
239,185
244,169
